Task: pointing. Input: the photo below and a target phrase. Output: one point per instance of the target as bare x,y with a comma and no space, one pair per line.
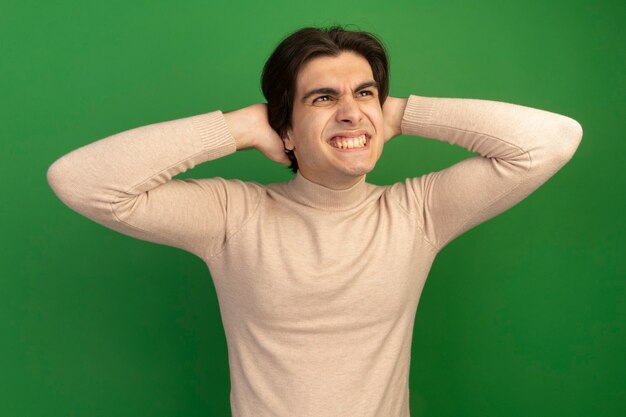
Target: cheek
374,113
311,132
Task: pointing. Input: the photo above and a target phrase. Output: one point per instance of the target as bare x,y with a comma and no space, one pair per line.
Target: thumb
282,154
276,153
282,158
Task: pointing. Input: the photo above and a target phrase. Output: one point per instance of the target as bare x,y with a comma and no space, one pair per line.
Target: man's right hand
251,129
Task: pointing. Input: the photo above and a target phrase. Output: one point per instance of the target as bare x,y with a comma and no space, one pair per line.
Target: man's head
324,86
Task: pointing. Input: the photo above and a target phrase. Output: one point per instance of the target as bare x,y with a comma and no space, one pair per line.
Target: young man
318,278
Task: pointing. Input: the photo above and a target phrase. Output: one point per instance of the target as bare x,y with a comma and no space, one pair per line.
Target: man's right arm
124,182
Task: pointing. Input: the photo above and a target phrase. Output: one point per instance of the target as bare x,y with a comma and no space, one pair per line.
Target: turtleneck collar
318,196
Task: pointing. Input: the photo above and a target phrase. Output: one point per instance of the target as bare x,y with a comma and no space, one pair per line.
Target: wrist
236,122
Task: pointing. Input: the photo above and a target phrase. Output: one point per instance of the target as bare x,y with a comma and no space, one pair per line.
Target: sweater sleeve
124,182
519,149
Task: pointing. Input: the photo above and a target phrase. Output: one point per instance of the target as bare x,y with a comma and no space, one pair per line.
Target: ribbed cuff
417,115
214,134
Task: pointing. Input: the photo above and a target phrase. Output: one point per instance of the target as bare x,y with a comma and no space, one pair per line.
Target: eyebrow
329,90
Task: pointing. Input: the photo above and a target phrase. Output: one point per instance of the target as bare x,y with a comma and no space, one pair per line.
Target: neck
323,197
338,183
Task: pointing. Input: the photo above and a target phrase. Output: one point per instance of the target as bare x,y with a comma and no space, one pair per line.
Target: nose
348,110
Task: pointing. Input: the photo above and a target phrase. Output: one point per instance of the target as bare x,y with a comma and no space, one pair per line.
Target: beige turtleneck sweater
318,288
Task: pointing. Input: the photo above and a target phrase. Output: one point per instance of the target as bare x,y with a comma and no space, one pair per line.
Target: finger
277,155
284,159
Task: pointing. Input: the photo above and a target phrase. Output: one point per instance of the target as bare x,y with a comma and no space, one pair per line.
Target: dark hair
278,80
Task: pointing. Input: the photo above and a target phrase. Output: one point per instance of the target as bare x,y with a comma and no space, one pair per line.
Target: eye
321,98
364,93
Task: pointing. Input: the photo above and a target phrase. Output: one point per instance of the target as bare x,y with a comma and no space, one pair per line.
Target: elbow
61,179
560,138
54,176
570,134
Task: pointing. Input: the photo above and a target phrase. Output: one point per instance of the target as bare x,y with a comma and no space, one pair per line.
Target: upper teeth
347,143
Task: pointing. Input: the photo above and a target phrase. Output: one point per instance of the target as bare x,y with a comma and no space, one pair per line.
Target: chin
357,171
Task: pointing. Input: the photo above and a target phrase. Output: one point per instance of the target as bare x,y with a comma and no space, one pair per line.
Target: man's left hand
393,110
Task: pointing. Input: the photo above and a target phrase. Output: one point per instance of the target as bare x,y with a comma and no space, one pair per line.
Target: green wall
524,315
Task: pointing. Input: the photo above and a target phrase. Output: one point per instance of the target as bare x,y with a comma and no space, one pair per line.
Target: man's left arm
519,149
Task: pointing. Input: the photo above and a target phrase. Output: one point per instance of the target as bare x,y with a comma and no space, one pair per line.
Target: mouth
350,143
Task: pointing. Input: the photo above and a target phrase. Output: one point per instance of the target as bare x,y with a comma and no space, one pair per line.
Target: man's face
337,129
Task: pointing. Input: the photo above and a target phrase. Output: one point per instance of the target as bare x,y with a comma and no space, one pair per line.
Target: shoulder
236,199
410,192
235,188
411,195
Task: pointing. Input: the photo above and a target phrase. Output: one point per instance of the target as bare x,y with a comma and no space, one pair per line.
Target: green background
524,315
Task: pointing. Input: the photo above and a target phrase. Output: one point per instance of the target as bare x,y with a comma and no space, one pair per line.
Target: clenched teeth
349,143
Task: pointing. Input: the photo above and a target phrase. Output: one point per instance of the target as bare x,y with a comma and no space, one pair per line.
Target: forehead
334,71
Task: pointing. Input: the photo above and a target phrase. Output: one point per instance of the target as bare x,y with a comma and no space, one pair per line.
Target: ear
288,142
